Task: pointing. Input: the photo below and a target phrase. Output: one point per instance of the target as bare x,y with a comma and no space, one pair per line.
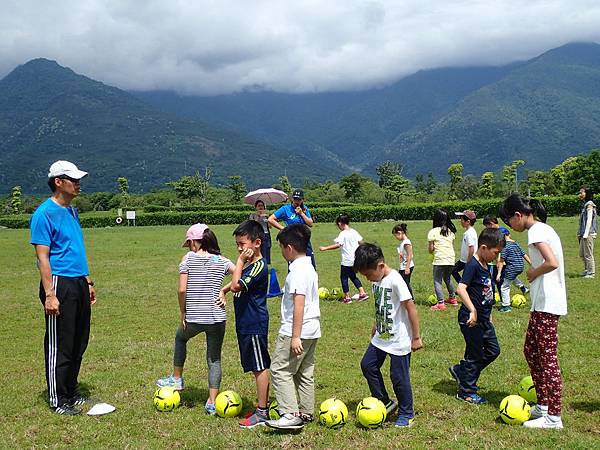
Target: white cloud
211,47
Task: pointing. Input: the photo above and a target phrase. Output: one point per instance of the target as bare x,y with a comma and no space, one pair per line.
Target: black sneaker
67,410
78,401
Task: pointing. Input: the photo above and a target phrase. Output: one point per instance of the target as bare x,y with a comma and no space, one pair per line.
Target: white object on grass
99,409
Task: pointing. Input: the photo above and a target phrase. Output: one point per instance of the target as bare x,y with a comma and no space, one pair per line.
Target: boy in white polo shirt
469,242
293,362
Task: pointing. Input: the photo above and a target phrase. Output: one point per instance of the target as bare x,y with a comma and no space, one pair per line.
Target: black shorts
254,352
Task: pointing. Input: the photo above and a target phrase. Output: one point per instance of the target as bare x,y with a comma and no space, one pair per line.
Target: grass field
133,325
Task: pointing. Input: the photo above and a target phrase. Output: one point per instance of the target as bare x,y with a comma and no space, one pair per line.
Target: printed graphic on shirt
383,311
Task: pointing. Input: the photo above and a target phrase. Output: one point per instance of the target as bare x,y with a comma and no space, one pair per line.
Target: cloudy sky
221,46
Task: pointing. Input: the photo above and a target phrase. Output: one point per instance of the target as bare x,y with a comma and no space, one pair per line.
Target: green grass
133,325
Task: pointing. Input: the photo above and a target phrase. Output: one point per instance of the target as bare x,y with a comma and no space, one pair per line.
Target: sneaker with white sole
286,422
545,422
257,418
210,408
67,410
404,422
171,381
538,411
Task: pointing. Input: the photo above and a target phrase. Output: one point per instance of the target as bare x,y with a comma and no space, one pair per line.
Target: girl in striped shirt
201,274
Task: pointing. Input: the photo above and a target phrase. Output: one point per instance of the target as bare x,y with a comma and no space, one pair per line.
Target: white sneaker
286,422
544,422
538,411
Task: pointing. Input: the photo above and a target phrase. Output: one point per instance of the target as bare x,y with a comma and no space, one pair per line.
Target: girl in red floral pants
548,302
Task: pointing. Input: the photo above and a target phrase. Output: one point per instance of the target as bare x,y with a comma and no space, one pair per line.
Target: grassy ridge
132,336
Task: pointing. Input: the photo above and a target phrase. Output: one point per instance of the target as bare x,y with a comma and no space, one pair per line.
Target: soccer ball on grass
166,399
514,410
518,301
371,412
228,404
526,389
323,293
333,413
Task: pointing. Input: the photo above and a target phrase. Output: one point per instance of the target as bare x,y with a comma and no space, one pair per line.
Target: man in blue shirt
294,212
66,290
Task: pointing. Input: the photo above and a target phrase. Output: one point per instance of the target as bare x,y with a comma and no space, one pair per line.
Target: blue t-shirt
287,213
59,228
513,254
250,304
480,289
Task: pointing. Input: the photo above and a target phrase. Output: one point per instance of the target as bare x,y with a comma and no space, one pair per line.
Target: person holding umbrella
294,212
261,216
260,198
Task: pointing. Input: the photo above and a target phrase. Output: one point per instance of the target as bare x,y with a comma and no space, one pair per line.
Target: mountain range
541,110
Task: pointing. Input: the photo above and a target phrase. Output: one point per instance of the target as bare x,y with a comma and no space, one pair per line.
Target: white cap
66,168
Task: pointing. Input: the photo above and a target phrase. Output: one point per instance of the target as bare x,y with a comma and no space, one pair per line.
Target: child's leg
491,347
262,388
518,283
255,358
344,272
549,367
437,283
214,342
406,279
447,272
470,366
400,375
180,350
283,368
532,355
505,292
304,378
457,269
371,368
355,280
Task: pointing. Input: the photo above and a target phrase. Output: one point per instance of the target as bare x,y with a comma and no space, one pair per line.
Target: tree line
390,186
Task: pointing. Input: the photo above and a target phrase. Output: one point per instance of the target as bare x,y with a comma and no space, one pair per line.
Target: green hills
48,112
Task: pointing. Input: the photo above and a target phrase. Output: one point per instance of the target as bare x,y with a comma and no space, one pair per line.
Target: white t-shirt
404,254
302,279
469,239
349,240
393,332
548,292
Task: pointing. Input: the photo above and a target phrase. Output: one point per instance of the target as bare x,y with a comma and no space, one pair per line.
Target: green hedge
232,207
556,206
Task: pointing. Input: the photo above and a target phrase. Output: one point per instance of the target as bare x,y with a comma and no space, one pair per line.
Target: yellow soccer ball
274,413
514,410
371,412
336,294
323,293
518,301
228,404
166,399
526,389
432,300
333,413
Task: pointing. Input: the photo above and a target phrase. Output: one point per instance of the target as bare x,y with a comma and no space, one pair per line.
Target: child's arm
431,246
409,257
500,264
461,290
183,278
413,318
329,247
526,258
244,257
550,263
297,321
